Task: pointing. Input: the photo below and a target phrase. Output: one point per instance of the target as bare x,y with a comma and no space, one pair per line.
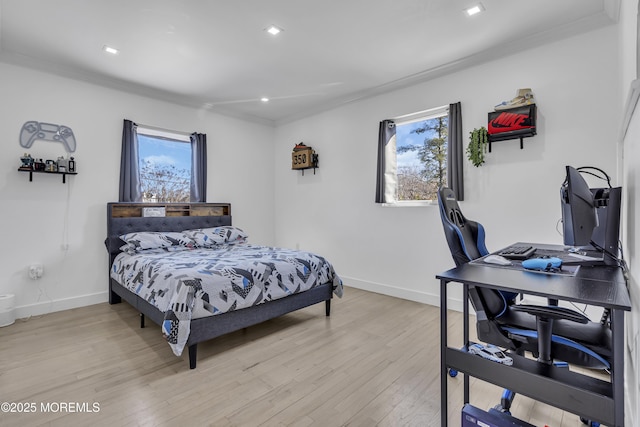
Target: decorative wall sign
32,131
303,157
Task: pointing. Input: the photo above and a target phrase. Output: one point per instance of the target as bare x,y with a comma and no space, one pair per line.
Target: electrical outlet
36,271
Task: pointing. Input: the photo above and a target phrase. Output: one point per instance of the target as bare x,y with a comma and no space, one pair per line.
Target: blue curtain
455,153
198,167
129,170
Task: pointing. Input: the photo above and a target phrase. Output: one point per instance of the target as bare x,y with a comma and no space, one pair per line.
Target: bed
168,261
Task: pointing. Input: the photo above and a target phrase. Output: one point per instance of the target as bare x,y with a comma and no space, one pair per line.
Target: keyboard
517,252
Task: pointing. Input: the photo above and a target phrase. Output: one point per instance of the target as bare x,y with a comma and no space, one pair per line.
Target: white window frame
163,133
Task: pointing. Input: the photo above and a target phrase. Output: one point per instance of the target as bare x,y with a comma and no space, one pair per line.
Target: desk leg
617,370
465,338
444,413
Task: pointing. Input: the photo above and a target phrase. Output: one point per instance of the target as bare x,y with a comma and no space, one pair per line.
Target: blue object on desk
542,263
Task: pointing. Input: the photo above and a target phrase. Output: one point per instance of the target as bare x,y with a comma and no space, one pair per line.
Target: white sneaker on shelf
523,97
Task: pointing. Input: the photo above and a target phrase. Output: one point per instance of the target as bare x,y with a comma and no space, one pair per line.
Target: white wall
631,195
398,251
37,217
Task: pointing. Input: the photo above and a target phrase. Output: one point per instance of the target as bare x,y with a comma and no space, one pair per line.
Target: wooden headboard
123,218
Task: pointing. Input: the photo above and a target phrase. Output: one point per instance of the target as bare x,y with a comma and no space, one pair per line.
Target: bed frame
125,218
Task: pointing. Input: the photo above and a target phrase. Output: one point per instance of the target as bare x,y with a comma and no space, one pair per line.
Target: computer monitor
591,216
579,216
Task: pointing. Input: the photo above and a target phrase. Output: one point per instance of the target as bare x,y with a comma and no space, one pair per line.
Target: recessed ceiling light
474,10
264,99
111,50
273,30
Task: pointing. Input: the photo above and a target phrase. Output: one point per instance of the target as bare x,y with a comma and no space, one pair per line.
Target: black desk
580,394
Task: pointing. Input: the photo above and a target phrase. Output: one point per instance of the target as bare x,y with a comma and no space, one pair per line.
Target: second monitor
591,216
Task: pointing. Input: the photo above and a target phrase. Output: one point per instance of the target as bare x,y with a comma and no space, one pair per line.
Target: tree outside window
421,157
165,169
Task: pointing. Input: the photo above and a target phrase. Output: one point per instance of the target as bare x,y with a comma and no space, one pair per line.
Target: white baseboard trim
45,307
394,291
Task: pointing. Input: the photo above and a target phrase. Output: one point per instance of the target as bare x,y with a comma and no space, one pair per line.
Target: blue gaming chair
548,332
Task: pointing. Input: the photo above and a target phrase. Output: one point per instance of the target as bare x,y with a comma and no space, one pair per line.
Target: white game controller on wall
32,131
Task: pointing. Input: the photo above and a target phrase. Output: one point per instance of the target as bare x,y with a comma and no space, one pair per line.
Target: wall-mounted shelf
520,136
512,123
64,174
302,169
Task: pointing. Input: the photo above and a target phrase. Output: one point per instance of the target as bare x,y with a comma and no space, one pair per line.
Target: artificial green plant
478,143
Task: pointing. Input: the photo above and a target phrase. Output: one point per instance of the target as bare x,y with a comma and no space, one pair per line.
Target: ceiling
216,54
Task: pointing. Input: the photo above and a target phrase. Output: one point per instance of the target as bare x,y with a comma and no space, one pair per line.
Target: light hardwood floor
374,362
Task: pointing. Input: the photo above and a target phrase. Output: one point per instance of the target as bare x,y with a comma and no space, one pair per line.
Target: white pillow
139,241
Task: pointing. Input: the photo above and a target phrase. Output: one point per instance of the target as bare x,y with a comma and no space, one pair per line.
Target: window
414,156
165,166
421,154
162,166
